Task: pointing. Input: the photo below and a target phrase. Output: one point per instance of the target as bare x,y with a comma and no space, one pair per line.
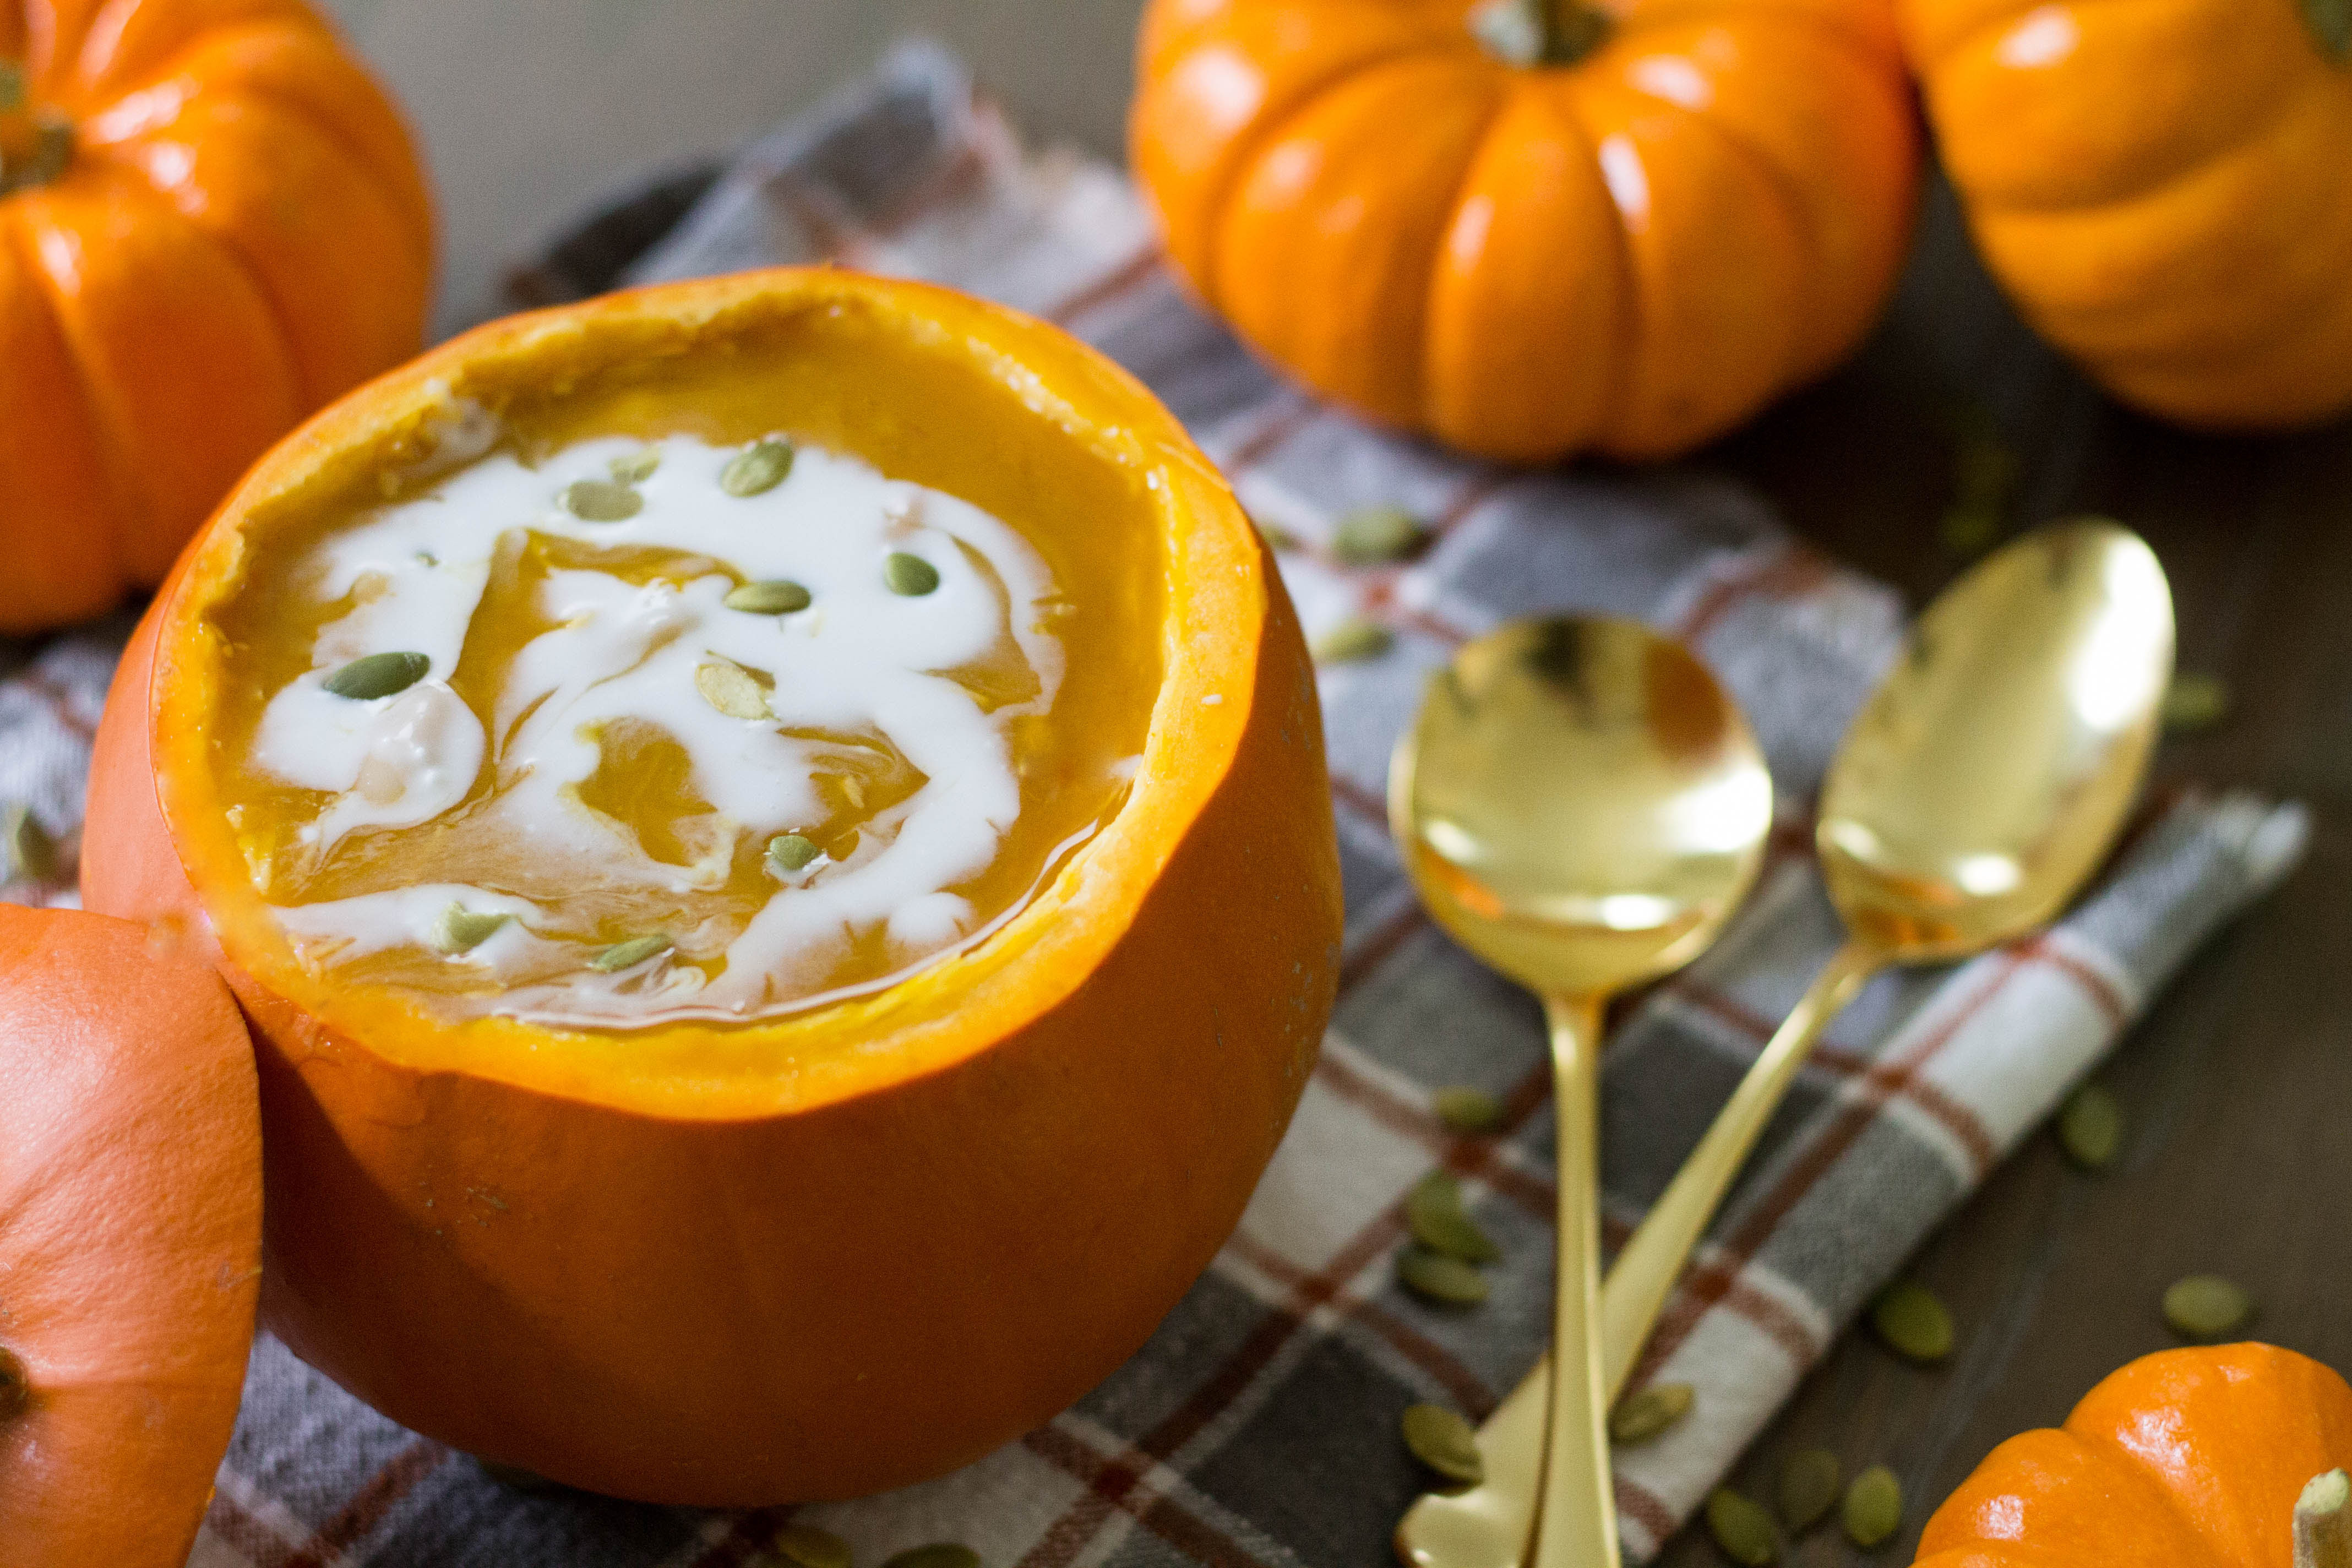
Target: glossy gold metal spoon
1979,788
1582,808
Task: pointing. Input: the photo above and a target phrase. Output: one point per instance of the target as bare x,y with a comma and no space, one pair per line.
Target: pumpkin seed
27,853
805,1546
1378,534
2195,703
2331,24
1351,641
910,576
1807,1489
1433,1277
2090,1127
628,955
461,931
1742,1529
378,674
636,468
1434,1212
1466,1110
777,596
1913,1321
730,689
602,501
792,853
1651,1413
1443,1441
2207,1307
15,1388
757,470
1873,1508
938,1555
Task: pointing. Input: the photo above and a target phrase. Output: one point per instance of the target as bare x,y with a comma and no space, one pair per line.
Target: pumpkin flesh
838,1251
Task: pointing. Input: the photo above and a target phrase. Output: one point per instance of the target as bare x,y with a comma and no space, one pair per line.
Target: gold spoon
1582,808
1979,788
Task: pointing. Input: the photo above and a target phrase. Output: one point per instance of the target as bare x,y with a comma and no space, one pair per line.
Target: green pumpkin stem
2323,1522
1532,33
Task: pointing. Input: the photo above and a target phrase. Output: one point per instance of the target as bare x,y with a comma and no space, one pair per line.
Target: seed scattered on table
805,1546
1873,1508
378,674
1467,1110
2090,1127
602,501
1443,1441
778,596
910,576
1376,534
1434,1212
1352,641
1808,1490
1913,1321
2207,1307
1742,1529
730,689
757,470
1433,1277
1650,1412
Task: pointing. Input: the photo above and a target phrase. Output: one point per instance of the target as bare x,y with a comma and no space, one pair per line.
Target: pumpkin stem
1529,33
2323,1522
34,153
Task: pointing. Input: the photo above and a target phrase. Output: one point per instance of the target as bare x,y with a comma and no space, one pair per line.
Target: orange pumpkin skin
1629,254
2188,1458
240,234
733,1268
2189,251
130,1227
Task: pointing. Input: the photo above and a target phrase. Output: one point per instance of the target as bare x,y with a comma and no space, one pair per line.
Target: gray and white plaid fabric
1259,1425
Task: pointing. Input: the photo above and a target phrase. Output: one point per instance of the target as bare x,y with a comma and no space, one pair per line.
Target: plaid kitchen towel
1259,1426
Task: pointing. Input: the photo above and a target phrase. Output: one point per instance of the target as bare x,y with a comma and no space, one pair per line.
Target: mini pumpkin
2189,1458
212,222
130,1240
1535,226
2164,189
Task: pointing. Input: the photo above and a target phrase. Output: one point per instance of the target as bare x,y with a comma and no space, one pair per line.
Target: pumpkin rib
1872,54
115,75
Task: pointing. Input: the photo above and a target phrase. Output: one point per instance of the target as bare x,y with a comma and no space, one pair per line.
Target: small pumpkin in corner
211,224
1534,227
2225,1458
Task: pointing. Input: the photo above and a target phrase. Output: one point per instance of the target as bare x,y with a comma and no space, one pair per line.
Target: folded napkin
1260,1424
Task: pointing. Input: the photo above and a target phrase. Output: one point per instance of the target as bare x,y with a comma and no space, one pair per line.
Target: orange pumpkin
2164,188
130,1240
845,1249
2190,1458
211,224
1535,226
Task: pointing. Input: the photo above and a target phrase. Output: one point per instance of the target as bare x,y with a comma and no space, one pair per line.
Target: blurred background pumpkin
2164,188
212,222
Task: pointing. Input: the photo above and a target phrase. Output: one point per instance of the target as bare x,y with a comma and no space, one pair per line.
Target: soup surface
639,730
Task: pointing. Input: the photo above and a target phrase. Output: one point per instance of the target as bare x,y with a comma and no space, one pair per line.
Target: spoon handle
1577,1518
1489,1525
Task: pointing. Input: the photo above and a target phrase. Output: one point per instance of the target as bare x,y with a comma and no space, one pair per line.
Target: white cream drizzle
860,661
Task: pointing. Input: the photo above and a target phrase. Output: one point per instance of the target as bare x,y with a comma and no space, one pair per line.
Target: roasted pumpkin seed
792,853
1913,1321
1376,534
778,596
2207,1307
1443,1441
460,930
1742,1529
378,674
730,689
758,470
1808,1490
1651,1411
1873,1508
2195,703
1434,1212
938,1555
636,468
910,576
2090,1127
628,955
1466,1110
27,853
805,1546
602,501
1351,641
1433,1277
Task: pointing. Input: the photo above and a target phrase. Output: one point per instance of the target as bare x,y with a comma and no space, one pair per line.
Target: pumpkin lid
129,1239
